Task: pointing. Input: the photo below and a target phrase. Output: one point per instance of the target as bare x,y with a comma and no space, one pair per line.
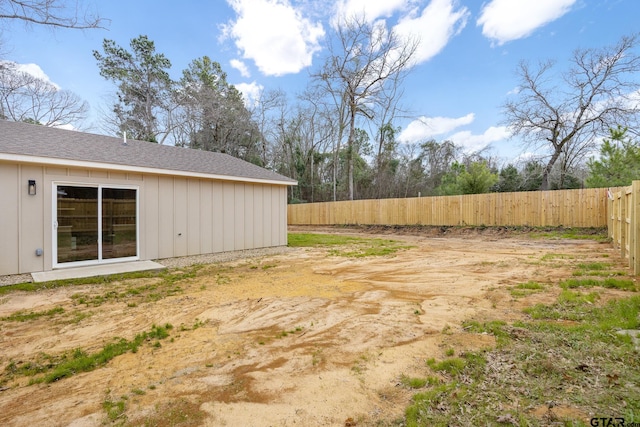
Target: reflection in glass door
95,223
118,223
77,233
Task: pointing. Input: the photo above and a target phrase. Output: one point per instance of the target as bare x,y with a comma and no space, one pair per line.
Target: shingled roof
34,143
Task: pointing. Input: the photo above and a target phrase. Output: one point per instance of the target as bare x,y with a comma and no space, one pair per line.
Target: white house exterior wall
178,216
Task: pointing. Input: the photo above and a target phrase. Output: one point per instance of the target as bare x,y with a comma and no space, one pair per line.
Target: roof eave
51,161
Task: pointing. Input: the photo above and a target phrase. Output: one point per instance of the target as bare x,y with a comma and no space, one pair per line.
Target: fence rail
570,208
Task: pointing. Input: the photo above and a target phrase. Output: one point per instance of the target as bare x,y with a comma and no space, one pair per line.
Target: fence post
622,212
634,227
611,216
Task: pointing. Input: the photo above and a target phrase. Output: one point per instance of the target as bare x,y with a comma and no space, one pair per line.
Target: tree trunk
544,186
350,143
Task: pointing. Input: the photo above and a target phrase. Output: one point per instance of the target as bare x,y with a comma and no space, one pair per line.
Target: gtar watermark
612,422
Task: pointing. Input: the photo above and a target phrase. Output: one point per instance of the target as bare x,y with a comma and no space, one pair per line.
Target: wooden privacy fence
624,223
569,208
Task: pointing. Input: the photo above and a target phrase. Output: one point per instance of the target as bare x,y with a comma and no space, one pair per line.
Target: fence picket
616,208
569,208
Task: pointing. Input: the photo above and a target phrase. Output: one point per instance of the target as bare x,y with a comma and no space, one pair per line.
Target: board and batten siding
197,216
21,226
179,216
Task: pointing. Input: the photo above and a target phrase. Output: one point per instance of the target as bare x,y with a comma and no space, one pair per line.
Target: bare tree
26,98
54,13
386,110
361,63
599,91
263,112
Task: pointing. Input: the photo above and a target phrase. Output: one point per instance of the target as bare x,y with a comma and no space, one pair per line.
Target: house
72,199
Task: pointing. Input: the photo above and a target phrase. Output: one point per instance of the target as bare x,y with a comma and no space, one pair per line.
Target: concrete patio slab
95,270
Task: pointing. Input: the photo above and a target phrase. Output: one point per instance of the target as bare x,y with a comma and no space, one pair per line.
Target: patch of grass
475,362
553,257
150,292
76,361
426,403
373,247
433,381
411,382
304,240
550,361
180,412
597,234
41,363
161,288
357,247
607,273
530,286
22,316
115,410
497,328
598,269
78,316
197,324
610,283
290,332
570,305
576,298
452,366
594,266
33,287
360,364
525,289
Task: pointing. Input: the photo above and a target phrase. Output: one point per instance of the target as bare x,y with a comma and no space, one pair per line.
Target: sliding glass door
94,224
77,209
119,223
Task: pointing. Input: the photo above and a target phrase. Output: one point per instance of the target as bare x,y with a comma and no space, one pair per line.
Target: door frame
54,224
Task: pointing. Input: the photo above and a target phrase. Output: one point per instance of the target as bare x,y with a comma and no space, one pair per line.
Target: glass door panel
77,216
119,223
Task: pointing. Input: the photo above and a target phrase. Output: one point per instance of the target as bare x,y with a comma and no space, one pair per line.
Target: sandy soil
353,328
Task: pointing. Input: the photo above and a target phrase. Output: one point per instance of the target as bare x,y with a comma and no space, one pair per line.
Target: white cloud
471,142
250,93
516,90
31,69
425,128
274,35
505,20
367,9
67,126
434,27
240,66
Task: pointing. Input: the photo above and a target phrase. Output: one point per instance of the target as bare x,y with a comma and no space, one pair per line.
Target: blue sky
466,60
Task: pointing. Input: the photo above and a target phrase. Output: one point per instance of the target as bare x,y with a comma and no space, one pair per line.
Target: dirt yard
303,338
